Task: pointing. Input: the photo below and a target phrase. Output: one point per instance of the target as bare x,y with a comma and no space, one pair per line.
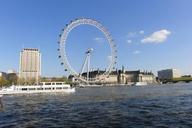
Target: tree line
10,79
13,79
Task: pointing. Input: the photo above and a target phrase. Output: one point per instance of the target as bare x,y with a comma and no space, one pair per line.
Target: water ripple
109,107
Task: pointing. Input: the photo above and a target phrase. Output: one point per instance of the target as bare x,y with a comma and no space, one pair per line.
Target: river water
167,106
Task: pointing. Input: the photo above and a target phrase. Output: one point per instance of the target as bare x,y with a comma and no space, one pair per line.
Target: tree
12,78
21,81
3,82
55,79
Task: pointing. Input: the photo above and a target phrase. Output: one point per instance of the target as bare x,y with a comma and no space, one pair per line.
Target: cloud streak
157,37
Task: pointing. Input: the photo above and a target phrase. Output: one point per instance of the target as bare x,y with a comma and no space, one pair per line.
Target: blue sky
150,34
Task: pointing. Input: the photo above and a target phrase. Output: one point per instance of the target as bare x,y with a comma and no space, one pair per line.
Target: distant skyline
149,34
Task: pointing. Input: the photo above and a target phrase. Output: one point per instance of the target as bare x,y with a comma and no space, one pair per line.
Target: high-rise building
30,64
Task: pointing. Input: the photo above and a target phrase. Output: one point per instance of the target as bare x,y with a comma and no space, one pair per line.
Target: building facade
3,75
131,77
121,77
30,64
169,74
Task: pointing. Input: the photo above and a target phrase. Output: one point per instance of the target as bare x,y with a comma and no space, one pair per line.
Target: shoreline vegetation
16,81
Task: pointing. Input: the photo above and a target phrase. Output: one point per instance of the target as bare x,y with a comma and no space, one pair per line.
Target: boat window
47,88
47,83
59,88
65,87
58,83
39,88
31,88
53,83
24,89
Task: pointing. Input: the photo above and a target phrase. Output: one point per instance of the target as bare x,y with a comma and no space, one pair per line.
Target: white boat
45,87
140,83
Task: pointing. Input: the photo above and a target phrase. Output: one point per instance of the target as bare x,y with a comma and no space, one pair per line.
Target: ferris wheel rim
63,39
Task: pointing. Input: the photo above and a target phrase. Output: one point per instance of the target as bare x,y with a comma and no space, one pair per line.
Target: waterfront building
120,77
97,75
30,64
169,74
131,77
110,79
3,75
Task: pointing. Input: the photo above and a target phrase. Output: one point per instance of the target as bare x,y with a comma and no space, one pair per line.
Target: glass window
59,88
47,83
31,88
47,88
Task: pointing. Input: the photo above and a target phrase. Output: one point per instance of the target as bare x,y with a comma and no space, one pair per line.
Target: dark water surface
167,106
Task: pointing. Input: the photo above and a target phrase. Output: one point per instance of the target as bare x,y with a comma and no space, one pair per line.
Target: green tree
21,81
12,78
3,82
54,79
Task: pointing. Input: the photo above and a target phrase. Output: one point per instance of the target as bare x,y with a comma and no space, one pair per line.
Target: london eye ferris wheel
63,54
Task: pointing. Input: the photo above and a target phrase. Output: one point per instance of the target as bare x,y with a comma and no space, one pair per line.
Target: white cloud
141,32
99,39
136,52
157,37
129,41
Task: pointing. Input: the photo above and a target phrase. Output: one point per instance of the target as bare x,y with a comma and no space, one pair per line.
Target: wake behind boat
140,83
45,87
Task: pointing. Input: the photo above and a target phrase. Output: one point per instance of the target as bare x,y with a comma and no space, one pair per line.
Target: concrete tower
30,64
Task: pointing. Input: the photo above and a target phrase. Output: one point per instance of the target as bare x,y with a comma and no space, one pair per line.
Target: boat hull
72,90
65,88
